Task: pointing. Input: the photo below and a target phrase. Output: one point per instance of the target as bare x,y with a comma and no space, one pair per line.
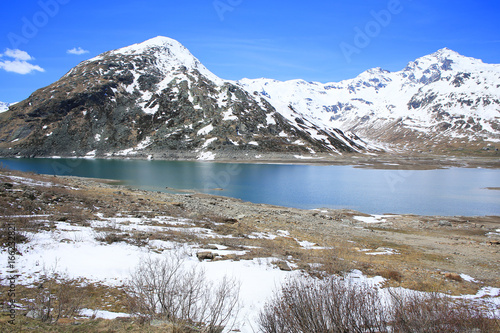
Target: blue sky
312,40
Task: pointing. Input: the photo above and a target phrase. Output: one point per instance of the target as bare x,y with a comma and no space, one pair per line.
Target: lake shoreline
458,244
383,161
396,188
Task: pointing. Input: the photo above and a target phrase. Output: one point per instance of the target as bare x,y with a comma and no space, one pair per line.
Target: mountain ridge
430,94
155,99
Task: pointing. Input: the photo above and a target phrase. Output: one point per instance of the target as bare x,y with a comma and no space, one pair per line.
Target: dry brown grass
391,274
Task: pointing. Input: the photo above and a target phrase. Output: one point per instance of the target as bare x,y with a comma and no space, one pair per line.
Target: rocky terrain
155,99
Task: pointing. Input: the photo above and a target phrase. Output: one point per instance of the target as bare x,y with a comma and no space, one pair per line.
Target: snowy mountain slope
4,107
442,96
156,99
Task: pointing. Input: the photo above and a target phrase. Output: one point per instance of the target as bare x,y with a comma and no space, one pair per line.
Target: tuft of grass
391,275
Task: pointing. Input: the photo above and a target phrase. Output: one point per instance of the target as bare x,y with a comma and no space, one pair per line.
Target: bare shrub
167,289
338,305
111,238
433,312
18,230
58,297
328,305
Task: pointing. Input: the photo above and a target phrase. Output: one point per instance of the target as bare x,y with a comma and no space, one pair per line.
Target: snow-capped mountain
156,99
442,98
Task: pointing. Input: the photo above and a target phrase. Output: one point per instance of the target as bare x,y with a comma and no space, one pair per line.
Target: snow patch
206,156
371,219
205,130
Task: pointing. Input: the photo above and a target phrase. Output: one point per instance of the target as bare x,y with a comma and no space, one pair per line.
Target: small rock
231,256
33,314
445,224
283,265
453,276
205,255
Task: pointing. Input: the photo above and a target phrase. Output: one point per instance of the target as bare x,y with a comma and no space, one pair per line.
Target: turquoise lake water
454,191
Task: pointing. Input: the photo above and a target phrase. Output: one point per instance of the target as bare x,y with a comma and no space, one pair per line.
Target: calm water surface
455,191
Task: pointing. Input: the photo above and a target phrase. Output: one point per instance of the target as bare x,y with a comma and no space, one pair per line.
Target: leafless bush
167,289
328,305
338,305
17,230
58,297
432,312
111,237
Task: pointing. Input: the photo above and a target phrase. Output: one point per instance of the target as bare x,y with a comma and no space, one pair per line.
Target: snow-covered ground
74,251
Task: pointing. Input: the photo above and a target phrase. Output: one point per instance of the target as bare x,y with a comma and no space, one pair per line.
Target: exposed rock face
155,98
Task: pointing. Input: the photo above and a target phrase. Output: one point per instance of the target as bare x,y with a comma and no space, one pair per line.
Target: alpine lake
446,192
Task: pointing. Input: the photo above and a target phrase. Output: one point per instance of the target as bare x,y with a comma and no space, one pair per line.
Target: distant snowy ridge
443,94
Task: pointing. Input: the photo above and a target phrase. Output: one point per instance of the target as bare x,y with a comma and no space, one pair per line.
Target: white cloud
18,55
20,64
77,51
19,67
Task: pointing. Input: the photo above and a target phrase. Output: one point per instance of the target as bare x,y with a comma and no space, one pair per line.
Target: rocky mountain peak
161,55
444,60
156,99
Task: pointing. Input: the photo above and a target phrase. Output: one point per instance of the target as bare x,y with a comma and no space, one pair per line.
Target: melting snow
205,130
206,156
371,219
